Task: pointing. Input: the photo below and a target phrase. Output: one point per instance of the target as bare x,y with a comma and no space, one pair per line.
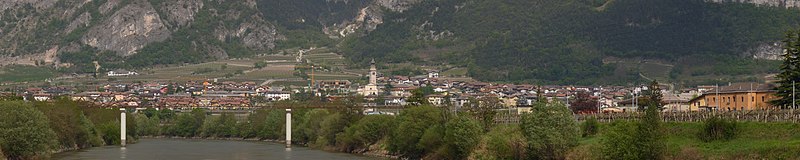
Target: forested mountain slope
581,41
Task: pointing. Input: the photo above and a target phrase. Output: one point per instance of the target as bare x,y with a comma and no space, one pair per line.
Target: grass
455,72
754,140
19,73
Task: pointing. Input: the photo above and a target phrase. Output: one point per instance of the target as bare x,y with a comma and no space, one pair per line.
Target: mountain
534,41
585,41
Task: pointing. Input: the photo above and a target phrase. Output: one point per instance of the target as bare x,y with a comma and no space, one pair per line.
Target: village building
121,72
737,97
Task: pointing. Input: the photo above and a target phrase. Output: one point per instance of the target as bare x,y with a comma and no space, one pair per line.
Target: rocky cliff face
368,18
774,3
39,30
128,30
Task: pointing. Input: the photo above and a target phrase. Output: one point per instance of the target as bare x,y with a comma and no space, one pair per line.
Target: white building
121,72
371,89
278,95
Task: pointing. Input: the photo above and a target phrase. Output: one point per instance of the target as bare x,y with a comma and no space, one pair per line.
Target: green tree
789,70
185,126
330,126
550,130
24,131
309,128
484,110
148,126
365,132
412,123
462,135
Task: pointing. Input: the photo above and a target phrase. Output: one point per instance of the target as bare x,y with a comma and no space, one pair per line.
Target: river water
180,149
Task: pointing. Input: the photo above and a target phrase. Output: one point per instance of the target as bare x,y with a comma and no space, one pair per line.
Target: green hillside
566,42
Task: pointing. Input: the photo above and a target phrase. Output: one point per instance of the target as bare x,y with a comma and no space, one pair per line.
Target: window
753,98
742,98
762,98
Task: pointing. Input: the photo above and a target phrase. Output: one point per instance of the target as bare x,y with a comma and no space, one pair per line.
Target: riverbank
373,151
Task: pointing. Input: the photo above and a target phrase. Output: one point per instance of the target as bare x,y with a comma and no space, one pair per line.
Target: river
180,149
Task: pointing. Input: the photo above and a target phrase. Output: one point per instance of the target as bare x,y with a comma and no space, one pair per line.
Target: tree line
34,130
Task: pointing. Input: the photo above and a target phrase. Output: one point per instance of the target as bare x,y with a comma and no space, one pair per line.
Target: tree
550,130
412,124
484,110
790,70
24,131
461,136
643,139
583,104
654,96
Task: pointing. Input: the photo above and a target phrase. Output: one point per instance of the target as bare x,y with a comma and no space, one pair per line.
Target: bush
412,123
71,126
717,128
619,142
309,128
222,126
550,131
330,126
109,132
273,124
148,126
502,142
590,127
461,135
184,126
24,131
366,131
641,139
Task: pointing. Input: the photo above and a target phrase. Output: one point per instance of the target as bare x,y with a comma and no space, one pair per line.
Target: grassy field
753,141
25,73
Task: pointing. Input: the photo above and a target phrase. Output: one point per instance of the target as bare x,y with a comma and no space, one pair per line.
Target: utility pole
793,98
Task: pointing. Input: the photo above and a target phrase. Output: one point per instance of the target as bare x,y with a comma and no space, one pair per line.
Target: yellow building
737,96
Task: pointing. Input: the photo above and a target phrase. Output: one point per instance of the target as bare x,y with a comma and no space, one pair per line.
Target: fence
751,116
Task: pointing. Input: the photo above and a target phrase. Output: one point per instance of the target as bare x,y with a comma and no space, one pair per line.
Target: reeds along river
179,149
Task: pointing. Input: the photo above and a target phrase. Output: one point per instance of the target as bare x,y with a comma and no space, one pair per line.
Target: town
395,91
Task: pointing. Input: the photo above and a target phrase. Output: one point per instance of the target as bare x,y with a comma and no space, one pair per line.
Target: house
121,72
436,99
394,101
737,96
277,95
675,103
41,96
433,74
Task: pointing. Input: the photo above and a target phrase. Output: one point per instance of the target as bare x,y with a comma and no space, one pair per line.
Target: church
371,89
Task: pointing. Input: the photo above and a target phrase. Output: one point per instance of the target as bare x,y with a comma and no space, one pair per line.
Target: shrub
273,124
550,131
619,142
330,126
184,126
717,128
412,123
366,131
309,128
503,142
147,126
222,126
641,139
590,127
109,131
461,135
24,131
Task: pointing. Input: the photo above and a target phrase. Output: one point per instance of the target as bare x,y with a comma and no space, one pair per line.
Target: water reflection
174,149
